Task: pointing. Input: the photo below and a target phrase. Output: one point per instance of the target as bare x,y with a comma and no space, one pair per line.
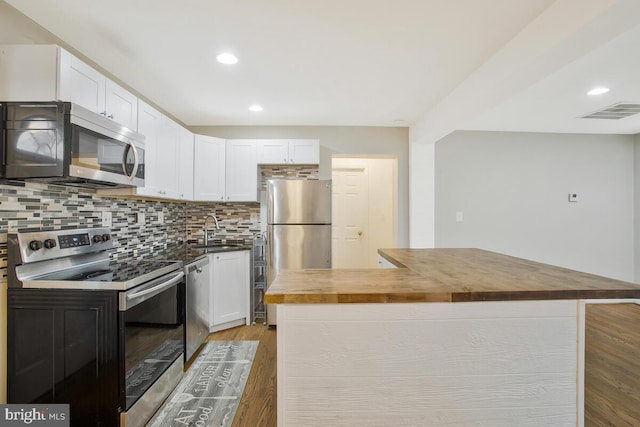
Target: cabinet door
230,286
209,168
185,164
304,151
81,84
242,171
62,347
121,105
272,151
167,158
149,125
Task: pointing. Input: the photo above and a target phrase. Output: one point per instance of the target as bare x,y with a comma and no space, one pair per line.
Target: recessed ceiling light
256,108
598,91
227,58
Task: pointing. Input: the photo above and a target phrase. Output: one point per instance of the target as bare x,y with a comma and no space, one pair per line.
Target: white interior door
350,218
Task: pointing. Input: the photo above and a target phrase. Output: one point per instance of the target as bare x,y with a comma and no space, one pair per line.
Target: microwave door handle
124,160
135,161
155,289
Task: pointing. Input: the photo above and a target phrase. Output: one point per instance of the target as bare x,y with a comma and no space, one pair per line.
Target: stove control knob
49,243
35,245
106,237
97,238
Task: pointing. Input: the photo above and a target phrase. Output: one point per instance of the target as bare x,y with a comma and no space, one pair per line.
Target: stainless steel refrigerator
298,227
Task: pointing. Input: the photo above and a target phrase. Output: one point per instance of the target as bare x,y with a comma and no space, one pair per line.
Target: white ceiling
557,102
364,62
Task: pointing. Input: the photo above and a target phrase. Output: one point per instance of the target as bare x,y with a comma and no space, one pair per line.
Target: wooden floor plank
258,406
612,365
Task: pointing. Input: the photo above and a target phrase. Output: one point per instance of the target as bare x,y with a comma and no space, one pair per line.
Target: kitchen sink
217,247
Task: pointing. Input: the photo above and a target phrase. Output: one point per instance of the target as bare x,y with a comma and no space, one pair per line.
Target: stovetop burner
120,275
77,259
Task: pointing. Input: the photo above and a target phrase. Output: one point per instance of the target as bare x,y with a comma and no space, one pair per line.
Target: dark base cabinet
63,348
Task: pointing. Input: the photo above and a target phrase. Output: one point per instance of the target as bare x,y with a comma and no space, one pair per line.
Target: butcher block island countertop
444,275
509,352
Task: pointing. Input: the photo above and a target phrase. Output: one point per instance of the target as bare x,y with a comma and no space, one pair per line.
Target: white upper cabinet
185,164
241,171
209,168
288,151
81,84
149,122
224,171
304,151
121,106
272,151
32,73
166,175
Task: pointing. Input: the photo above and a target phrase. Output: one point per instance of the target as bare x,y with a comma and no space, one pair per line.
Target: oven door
151,336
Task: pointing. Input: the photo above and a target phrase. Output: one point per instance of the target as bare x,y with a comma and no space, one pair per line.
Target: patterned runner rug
211,389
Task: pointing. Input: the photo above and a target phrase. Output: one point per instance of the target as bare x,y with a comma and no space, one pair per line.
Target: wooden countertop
443,275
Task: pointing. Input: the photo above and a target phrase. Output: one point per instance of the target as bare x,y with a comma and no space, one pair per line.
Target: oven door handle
152,291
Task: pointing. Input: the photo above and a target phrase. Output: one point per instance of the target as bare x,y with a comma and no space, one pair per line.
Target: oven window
153,340
95,151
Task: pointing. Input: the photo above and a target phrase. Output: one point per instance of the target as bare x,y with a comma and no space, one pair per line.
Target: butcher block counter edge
444,275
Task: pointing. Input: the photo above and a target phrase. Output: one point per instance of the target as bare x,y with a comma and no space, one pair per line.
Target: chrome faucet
206,228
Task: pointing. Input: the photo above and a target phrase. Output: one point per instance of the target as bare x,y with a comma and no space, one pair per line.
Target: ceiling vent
615,112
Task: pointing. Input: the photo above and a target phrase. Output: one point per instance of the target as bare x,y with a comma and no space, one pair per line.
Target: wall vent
615,112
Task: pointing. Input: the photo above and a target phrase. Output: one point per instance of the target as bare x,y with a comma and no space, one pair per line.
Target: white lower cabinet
229,296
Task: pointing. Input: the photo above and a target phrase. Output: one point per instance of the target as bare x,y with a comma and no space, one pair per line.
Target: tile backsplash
286,172
238,221
38,206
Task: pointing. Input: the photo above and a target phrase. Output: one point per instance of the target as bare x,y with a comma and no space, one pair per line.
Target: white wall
637,209
513,191
421,190
339,140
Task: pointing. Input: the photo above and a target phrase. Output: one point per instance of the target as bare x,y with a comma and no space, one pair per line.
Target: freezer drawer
298,201
297,247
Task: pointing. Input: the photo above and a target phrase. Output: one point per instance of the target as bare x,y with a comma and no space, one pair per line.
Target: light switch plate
140,218
107,219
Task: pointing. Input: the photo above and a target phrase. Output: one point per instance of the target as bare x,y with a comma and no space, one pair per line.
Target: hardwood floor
258,405
612,365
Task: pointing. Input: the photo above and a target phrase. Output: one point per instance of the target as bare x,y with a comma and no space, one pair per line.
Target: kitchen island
450,337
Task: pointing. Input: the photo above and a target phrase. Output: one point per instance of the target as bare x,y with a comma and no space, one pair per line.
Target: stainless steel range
104,336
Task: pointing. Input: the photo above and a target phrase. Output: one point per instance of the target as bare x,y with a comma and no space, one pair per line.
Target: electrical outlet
107,219
573,197
140,218
160,217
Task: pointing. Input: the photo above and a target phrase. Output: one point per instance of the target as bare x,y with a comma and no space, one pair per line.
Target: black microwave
63,143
